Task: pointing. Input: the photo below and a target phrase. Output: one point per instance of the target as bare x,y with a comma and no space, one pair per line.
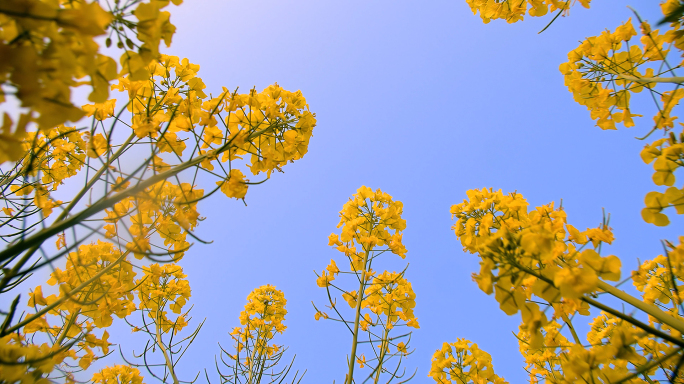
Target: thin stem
359,300
383,348
572,329
163,349
673,79
646,367
72,319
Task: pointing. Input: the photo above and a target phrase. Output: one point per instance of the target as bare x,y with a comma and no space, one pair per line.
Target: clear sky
424,101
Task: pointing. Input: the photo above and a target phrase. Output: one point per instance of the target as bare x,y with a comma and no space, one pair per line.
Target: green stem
250,368
674,79
163,349
357,320
72,319
383,348
648,308
572,329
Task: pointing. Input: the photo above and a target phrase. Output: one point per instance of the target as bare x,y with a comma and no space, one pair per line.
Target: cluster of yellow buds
392,296
94,286
166,209
118,374
372,221
261,319
164,287
463,362
513,11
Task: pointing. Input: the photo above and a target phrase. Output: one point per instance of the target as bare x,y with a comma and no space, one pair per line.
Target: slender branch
383,347
634,321
359,299
72,320
163,349
646,367
572,329
673,79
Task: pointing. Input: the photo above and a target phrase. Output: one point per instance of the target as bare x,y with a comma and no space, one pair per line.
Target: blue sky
421,100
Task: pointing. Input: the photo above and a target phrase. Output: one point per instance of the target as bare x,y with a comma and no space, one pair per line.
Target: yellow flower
573,283
350,298
97,145
118,374
332,268
361,361
235,185
101,111
324,279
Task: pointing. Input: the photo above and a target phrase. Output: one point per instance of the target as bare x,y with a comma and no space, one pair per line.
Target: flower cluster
118,374
392,296
261,319
510,238
164,287
48,158
167,209
46,46
534,257
593,72
658,278
513,11
370,220
371,225
463,362
605,70
603,73
540,244
114,285
254,359
273,126
94,286
542,361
